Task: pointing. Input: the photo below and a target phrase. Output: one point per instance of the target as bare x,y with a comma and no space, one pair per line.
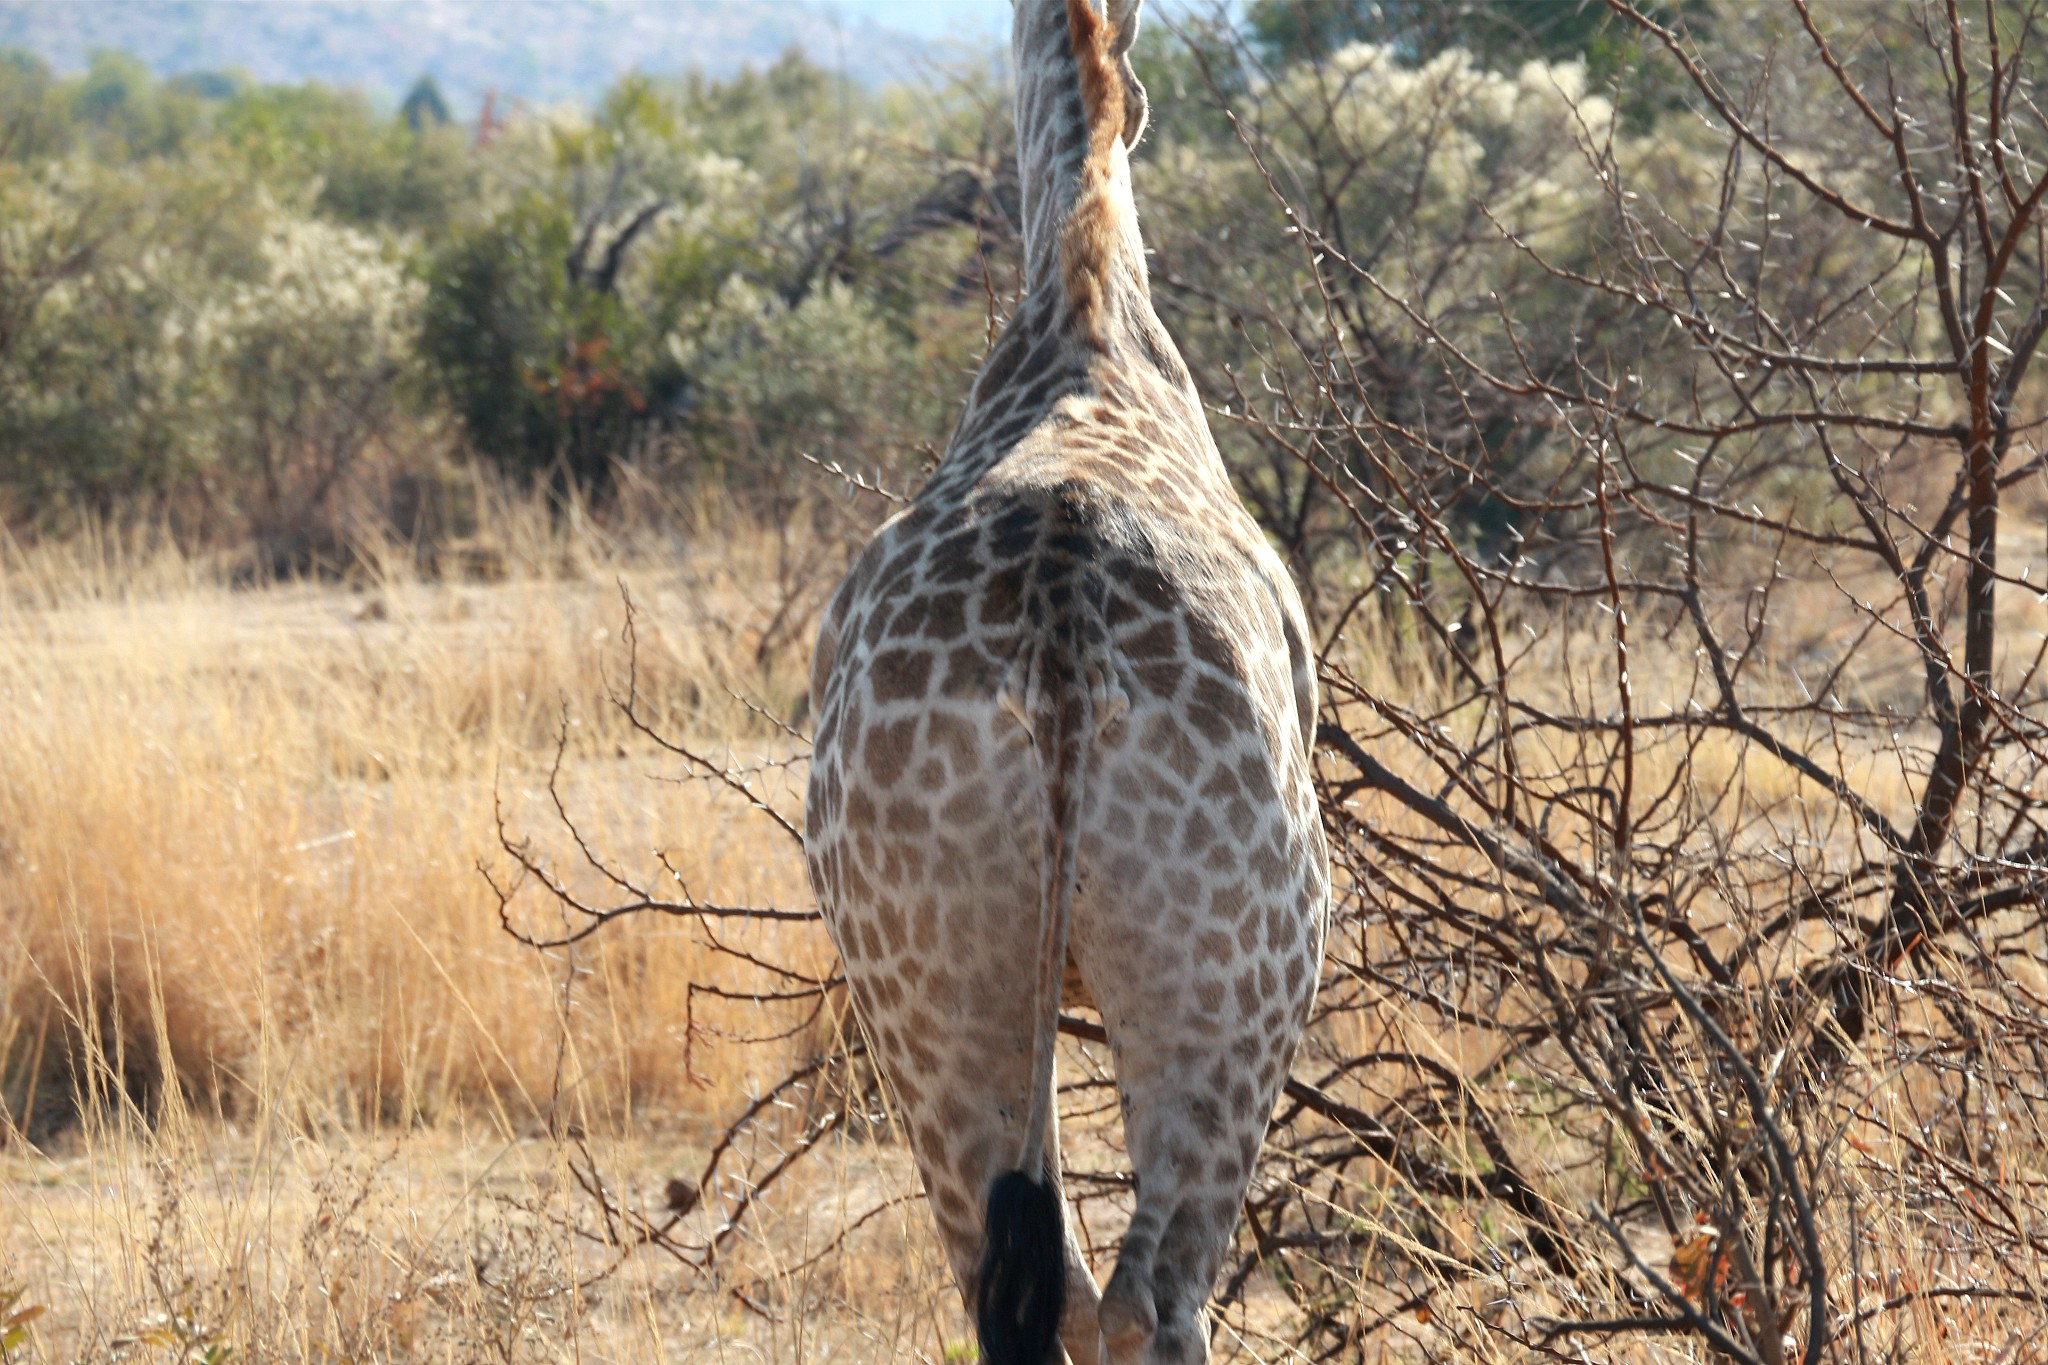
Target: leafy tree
1495,31
34,123
330,145
550,369
494,330
297,372
826,376
128,114
78,382
424,107
628,269
210,85
172,336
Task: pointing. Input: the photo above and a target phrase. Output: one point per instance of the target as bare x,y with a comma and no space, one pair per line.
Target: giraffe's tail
1023,1279
1021,1289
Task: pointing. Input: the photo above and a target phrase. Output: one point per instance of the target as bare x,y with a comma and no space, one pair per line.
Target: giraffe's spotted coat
1076,613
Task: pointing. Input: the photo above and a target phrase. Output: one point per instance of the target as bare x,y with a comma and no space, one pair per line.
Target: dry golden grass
257,816
241,910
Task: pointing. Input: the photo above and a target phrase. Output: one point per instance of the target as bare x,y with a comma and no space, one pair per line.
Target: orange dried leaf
1693,1263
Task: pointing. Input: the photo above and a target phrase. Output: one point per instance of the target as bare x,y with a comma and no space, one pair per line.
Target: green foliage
290,133
1393,159
210,85
550,366
80,375
825,376
218,297
121,107
693,263
1190,77
33,123
495,327
293,373
363,169
170,334
225,299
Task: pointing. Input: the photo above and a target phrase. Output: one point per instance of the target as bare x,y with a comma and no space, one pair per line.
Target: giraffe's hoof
1127,1324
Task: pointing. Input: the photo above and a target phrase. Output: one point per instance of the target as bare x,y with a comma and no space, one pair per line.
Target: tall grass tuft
240,829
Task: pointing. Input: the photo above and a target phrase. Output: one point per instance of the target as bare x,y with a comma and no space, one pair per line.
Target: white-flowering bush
166,332
331,311
1424,203
1441,135
1409,172
292,373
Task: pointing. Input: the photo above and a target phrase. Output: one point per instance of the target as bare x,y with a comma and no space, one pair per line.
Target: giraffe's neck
1075,103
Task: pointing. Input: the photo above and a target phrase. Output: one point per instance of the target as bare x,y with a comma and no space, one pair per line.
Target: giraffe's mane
1088,239
1102,82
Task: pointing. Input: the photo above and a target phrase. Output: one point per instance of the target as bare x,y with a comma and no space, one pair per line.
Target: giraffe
1064,708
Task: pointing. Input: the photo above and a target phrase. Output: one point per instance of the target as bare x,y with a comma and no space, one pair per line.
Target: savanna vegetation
416,520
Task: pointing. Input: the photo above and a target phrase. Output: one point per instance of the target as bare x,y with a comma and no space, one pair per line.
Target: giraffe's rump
1085,748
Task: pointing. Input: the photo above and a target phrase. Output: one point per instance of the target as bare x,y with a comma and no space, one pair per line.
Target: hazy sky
973,20
544,51
977,21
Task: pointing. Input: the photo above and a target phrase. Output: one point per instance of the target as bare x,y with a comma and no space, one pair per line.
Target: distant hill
540,50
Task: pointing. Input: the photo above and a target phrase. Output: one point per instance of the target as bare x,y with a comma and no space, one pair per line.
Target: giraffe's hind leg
1204,983
953,1033
1152,1309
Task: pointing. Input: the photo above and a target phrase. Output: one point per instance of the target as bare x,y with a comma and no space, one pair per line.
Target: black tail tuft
1023,1273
